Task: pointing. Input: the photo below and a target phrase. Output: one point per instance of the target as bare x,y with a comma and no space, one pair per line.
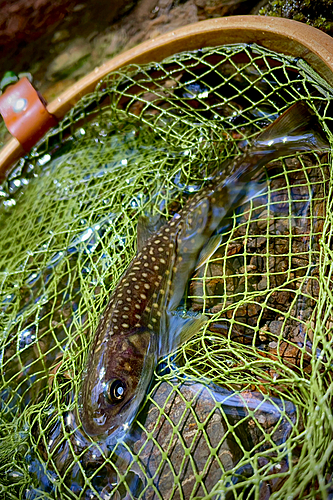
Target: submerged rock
190,439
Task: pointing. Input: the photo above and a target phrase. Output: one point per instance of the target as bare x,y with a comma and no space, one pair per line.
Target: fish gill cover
243,410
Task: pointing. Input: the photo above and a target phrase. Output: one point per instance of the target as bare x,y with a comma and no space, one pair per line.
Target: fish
142,321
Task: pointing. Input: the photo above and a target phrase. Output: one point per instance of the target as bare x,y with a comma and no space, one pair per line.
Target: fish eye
115,391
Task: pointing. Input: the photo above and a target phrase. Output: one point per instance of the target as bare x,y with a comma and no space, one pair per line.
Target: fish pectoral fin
245,190
148,225
182,327
208,250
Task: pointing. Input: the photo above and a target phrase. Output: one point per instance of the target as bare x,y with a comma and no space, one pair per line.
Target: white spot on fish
102,373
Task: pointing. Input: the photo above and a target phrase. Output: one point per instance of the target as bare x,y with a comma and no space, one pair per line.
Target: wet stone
276,327
262,285
232,411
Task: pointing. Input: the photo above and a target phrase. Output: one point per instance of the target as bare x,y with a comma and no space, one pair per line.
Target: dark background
61,41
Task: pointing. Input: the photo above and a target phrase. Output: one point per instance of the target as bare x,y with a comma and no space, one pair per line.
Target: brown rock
190,439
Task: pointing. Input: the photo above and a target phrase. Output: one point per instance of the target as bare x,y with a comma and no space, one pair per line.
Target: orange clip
25,114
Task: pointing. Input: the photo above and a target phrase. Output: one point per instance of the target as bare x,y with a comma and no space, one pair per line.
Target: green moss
317,13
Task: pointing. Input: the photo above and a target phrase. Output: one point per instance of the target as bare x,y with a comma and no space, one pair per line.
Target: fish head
116,381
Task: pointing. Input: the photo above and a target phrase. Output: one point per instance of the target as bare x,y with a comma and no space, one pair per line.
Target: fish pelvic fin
208,250
297,129
181,328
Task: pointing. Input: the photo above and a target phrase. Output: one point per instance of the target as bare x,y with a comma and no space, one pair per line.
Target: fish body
141,323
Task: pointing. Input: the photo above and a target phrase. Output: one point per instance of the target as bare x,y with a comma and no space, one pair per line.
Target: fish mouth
98,424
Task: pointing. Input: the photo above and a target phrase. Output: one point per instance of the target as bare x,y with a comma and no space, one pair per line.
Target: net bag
243,409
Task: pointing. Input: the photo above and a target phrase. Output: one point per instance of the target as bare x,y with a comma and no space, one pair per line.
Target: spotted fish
141,322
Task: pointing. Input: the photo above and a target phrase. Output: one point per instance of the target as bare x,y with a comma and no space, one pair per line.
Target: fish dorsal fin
148,226
298,123
208,250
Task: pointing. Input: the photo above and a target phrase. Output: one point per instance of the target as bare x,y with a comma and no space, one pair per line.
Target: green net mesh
242,410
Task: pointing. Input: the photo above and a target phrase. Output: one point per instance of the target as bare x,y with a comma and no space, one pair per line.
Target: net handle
281,35
25,113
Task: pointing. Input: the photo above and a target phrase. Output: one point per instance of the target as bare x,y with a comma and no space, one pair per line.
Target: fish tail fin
297,129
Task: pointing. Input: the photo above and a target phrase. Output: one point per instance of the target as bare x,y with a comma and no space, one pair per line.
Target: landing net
244,409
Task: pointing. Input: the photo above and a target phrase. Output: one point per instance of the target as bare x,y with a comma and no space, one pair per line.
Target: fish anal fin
147,226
